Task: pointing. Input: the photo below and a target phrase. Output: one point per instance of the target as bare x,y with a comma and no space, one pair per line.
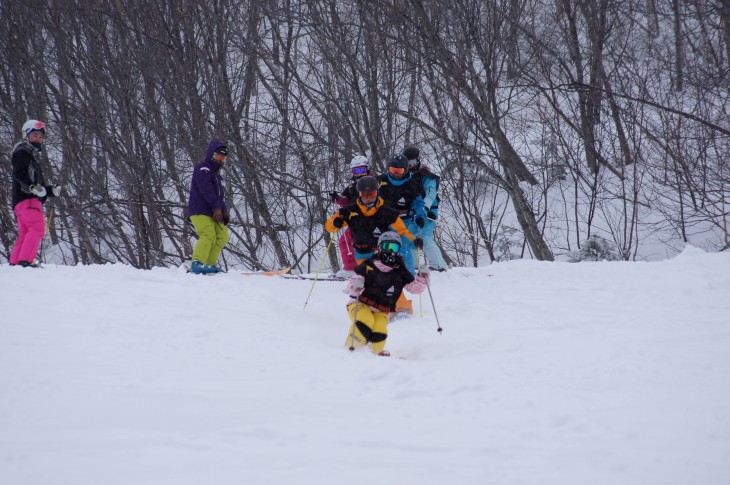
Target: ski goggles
359,170
369,194
222,150
390,246
38,126
396,170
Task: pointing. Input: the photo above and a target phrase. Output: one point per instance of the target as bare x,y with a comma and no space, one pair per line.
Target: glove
226,218
344,213
418,242
432,215
424,276
357,286
420,221
334,196
37,190
338,222
55,190
217,215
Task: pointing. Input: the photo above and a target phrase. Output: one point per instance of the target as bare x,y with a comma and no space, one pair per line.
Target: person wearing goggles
374,290
359,167
367,218
401,190
29,193
429,195
207,210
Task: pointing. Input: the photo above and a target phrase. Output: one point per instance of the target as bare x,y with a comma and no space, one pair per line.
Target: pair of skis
284,273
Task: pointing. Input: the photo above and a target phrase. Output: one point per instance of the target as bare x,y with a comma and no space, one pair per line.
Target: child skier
359,167
425,227
401,190
374,289
367,219
29,194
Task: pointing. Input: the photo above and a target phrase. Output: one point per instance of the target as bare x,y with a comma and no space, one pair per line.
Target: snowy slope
546,373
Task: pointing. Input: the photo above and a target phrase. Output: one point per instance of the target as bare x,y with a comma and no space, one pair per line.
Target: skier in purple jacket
208,211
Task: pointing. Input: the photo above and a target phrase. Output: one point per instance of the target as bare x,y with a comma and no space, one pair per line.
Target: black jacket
365,229
401,197
26,172
383,289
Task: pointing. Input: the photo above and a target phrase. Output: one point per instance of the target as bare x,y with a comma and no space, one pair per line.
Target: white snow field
546,373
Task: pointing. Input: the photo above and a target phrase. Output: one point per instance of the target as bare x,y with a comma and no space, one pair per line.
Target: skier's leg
31,229
221,239
380,332
347,251
411,252
22,231
205,229
406,251
403,304
431,249
361,329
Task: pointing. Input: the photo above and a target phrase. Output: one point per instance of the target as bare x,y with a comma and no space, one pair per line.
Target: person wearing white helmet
29,193
374,289
359,167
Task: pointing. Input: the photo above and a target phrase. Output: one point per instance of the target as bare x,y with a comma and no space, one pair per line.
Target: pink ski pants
31,229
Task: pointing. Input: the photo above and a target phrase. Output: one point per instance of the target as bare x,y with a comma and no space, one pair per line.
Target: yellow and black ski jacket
368,223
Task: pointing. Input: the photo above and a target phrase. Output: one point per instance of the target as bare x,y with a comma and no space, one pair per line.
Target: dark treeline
550,121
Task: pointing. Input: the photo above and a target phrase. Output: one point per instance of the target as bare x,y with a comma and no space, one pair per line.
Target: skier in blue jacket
430,201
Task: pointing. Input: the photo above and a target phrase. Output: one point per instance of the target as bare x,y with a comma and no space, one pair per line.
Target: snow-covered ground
546,373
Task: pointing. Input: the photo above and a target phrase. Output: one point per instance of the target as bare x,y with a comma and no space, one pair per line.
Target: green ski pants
212,237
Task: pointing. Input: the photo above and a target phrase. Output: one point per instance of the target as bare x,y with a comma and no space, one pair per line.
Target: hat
358,161
367,184
32,125
412,153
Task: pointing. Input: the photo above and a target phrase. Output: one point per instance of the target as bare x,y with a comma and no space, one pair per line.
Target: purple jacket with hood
206,188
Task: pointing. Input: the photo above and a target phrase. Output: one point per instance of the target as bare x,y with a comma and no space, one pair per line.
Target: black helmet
413,155
398,166
367,184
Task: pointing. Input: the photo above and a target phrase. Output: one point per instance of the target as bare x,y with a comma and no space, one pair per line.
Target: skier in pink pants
29,193
359,167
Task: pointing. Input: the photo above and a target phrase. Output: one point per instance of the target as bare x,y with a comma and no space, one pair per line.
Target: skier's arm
430,189
355,285
418,207
21,170
419,283
399,227
330,224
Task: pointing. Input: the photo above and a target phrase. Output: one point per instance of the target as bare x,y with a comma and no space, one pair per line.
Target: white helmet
32,125
359,161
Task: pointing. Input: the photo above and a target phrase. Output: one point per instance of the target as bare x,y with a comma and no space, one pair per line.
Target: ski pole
354,324
428,285
420,296
48,222
326,251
